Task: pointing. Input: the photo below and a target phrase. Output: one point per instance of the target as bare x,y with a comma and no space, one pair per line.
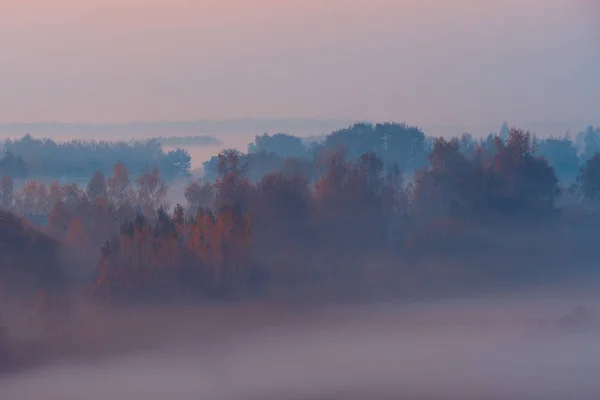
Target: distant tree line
196,140
45,158
404,147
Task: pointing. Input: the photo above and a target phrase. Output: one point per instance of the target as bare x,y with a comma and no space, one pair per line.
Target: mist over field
509,347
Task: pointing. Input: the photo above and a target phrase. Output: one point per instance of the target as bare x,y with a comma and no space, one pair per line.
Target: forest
406,147
33,158
368,211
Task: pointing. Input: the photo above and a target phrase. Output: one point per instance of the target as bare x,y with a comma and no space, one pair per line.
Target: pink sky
423,61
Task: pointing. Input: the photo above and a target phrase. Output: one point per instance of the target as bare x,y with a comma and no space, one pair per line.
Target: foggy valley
471,349
299,200
428,268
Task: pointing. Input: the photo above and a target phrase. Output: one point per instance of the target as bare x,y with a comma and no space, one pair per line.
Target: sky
419,61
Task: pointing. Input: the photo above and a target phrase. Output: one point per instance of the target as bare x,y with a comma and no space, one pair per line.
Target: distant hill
176,128
30,260
183,141
253,126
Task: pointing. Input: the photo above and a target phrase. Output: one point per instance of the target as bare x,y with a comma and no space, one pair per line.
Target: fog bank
518,347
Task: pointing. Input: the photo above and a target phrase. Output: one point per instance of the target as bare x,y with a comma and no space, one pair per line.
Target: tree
13,166
177,163
71,195
199,195
257,165
151,191
468,145
591,140
298,167
394,143
504,131
78,241
350,198
59,219
45,157
42,205
281,214
561,154
589,178
119,186
102,220
30,194
282,144
527,184
97,186
440,190
232,187
76,234
7,188
178,215
212,167
55,193
510,181
401,145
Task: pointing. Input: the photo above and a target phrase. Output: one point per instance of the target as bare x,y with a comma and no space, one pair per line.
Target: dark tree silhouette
589,177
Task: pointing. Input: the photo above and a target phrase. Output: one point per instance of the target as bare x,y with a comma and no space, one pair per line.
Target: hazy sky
422,61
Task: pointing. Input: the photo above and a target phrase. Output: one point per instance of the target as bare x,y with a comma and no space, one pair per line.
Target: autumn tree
526,183
439,190
282,218
33,199
233,229
350,199
204,243
119,188
199,195
108,277
332,169
59,219
55,193
510,181
72,195
42,205
29,195
101,220
232,187
81,250
151,192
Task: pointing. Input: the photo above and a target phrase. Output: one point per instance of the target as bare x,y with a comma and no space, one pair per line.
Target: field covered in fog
535,346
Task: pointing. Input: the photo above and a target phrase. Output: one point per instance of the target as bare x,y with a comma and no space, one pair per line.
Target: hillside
29,259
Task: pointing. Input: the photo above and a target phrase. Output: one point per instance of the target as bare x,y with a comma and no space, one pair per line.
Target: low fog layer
530,347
